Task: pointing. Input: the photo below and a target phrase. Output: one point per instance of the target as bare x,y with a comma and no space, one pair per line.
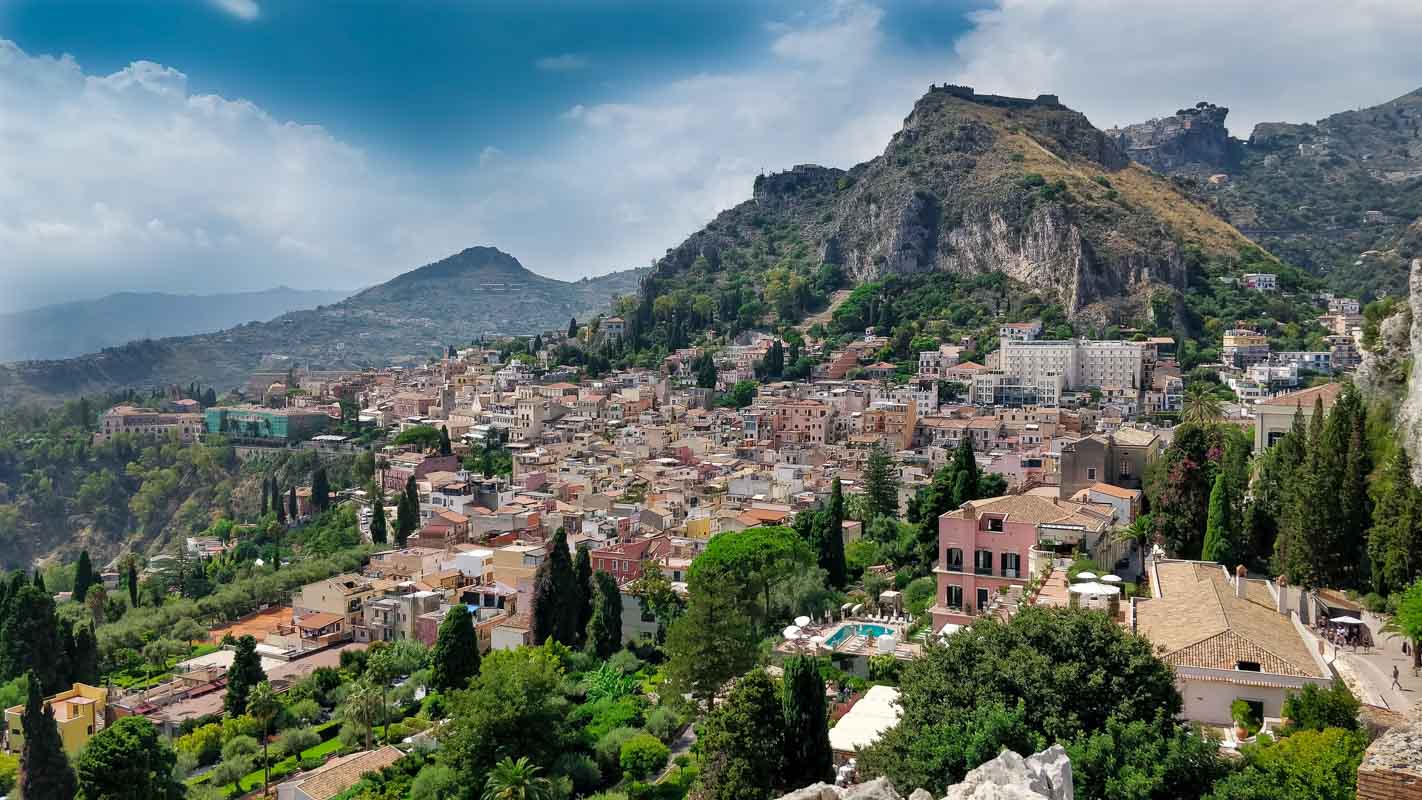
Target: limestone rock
1409,416
1044,776
1193,138
877,789
920,794
817,791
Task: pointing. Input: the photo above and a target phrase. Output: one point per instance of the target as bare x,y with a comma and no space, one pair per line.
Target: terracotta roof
1114,491
1328,391
342,773
1198,622
312,622
1036,510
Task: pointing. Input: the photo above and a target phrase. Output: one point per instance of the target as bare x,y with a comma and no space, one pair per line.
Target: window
982,598
1247,666
955,597
982,562
1091,473
1125,471
994,524
953,559
1011,562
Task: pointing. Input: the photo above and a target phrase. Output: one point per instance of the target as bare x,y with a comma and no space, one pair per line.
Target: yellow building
699,527
77,712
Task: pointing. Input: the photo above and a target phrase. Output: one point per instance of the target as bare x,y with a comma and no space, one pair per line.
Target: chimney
1239,576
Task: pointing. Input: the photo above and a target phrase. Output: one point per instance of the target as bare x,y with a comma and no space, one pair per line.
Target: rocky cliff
970,184
1192,139
1409,414
1043,776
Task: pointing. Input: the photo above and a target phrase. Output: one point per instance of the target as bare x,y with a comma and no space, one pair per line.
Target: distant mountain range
70,329
480,291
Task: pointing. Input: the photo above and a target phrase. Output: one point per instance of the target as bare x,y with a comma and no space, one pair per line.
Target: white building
1261,281
1049,366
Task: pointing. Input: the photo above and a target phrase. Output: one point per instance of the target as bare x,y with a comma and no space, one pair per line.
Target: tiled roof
1305,398
1198,622
342,773
1036,510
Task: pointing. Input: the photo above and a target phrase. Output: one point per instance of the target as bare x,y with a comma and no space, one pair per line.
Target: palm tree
263,705
1200,405
362,706
517,780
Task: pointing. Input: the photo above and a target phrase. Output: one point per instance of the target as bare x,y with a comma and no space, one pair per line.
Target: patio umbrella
1347,620
802,621
791,632
1111,578
857,608
1086,576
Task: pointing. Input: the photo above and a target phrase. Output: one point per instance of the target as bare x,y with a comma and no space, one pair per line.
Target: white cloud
567,62
245,10
1123,61
128,181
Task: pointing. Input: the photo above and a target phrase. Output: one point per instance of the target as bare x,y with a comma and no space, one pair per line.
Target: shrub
1317,709
581,769
625,661
608,750
597,718
642,755
239,746
230,771
663,723
435,782
294,741
304,712
919,595
310,763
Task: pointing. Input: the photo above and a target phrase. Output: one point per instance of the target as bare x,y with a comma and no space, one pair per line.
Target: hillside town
505,460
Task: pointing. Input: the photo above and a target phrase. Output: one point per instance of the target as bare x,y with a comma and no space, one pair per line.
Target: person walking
1396,684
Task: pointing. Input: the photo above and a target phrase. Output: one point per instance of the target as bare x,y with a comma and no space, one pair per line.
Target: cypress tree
1219,526
808,758
44,769
742,742
573,328
831,535
320,490
583,589
38,581
246,671
1395,542
83,576
133,581
292,508
446,448
555,614
378,530
82,652
454,661
280,506
31,640
266,489
407,515
604,632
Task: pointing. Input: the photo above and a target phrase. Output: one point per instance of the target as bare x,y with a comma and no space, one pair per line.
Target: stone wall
1043,776
1392,766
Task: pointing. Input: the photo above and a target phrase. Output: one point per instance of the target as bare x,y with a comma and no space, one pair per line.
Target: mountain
1334,197
972,184
71,329
480,291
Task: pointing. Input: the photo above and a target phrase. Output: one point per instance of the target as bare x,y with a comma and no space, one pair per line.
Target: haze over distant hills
479,291
70,329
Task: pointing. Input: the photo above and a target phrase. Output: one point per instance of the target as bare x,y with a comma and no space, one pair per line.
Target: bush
239,746
663,723
643,755
294,741
608,750
304,712
582,770
919,595
230,771
597,718
626,661
310,763
435,782
1316,709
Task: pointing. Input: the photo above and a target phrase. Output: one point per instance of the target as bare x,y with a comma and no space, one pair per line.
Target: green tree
742,742
83,576
1219,527
1407,620
263,706
642,756
714,640
573,329
266,498
517,780
584,593
940,752
514,707
753,562
30,639
1143,760
362,709
881,483
292,507
1308,765
378,526
407,515
1200,405
279,504
808,758
446,447
455,657
831,538
1315,709
1395,541
320,490
706,372
44,769
656,597
245,673
82,655
604,631
132,582
128,760
554,611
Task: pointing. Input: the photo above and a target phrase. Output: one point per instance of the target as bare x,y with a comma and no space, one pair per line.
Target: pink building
985,547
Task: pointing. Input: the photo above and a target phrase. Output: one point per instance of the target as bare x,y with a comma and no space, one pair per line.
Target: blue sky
207,145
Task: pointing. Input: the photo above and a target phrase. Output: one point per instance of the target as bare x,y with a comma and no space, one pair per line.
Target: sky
224,145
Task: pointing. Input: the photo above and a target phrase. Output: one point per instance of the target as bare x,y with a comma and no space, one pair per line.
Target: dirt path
823,317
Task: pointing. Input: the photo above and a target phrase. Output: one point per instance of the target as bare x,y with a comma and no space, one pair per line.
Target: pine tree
881,484
266,497
706,372
555,614
280,506
407,514
82,654
246,672
83,576
742,743
808,758
320,490
454,661
573,329
584,591
446,447
1219,537
604,631
44,769
292,508
378,530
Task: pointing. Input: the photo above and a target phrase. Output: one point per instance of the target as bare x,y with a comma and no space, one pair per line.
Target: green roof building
255,422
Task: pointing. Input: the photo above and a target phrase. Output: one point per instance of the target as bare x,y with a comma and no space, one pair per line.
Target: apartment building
1242,348
340,597
78,713
1260,281
141,421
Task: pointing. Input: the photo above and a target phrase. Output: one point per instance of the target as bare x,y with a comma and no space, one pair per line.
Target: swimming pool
856,629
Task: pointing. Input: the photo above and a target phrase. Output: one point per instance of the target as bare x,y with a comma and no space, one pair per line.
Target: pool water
858,629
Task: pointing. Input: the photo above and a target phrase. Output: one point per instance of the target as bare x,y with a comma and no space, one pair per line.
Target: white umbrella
1095,589
1111,578
802,621
817,641
1347,620
857,608
846,607
1086,576
791,632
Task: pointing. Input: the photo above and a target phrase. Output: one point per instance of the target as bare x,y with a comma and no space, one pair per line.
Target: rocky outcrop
1043,776
1409,415
1193,139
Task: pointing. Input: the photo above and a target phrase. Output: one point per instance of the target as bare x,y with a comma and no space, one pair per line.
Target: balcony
982,571
1009,573
953,567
